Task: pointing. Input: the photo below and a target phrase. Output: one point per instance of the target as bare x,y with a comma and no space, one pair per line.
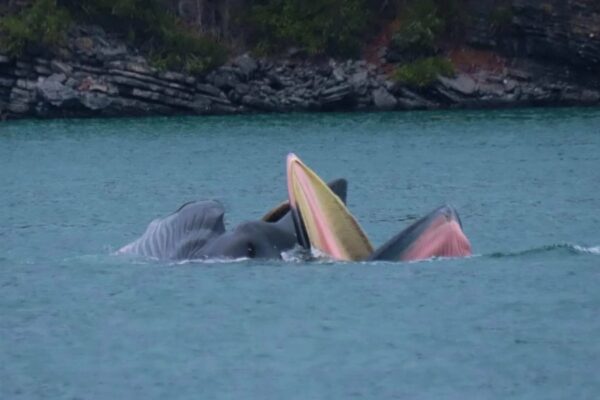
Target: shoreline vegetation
79,58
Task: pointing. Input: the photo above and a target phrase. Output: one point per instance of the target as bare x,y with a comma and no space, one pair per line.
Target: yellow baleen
329,225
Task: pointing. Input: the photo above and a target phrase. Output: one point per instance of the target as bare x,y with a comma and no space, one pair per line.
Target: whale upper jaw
323,222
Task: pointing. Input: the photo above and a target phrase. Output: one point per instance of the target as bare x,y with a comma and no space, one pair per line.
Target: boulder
462,84
95,101
60,67
383,99
56,93
246,64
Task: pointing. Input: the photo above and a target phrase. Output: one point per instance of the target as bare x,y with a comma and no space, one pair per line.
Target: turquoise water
520,319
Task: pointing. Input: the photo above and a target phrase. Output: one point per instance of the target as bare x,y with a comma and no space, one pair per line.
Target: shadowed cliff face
213,17
561,31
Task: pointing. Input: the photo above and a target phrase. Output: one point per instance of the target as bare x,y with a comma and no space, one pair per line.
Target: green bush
419,29
43,25
334,27
423,72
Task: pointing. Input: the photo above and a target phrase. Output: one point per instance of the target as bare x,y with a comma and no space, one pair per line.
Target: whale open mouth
321,219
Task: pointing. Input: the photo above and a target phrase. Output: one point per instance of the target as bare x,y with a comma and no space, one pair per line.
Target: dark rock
408,100
224,78
177,77
338,74
359,79
95,101
56,93
60,78
26,84
383,100
510,85
258,103
246,64
60,67
109,53
242,89
447,96
7,82
491,89
201,105
462,84
210,90
4,59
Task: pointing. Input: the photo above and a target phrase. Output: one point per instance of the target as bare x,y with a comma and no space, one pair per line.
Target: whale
323,222
314,217
196,231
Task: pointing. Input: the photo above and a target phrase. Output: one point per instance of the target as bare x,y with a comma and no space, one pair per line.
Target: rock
491,89
210,90
56,93
338,74
95,101
223,78
201,105
448,96
383,99
258,103
7,82
246,64
462,84
61,67
408,100
359,79
26,84
60,78
242,89
589,96
510,85
109,53
335,94
177,77
520,75
4,59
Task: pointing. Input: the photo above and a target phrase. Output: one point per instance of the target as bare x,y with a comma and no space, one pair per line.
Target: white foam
589,250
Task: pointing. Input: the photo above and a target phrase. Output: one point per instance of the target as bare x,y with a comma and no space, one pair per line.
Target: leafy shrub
43,25
423,72
332,27
419,29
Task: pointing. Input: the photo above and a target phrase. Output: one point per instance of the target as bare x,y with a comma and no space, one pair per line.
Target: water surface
520,319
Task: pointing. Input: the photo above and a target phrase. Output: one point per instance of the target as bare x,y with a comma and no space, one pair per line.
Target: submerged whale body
314,217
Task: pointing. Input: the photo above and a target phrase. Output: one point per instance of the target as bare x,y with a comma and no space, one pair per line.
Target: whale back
181,234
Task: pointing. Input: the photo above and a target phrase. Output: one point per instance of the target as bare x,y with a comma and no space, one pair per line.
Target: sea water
518,319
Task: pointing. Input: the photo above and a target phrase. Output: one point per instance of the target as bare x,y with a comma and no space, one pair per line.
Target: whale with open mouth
314,217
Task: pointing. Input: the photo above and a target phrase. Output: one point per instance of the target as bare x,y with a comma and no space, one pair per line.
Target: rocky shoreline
97,76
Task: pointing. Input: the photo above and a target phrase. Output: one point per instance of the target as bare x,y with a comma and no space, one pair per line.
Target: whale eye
251,251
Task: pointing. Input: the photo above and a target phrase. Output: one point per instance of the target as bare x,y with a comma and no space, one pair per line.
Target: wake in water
558,247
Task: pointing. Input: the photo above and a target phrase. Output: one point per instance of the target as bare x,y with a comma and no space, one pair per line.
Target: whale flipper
438,234
181,234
